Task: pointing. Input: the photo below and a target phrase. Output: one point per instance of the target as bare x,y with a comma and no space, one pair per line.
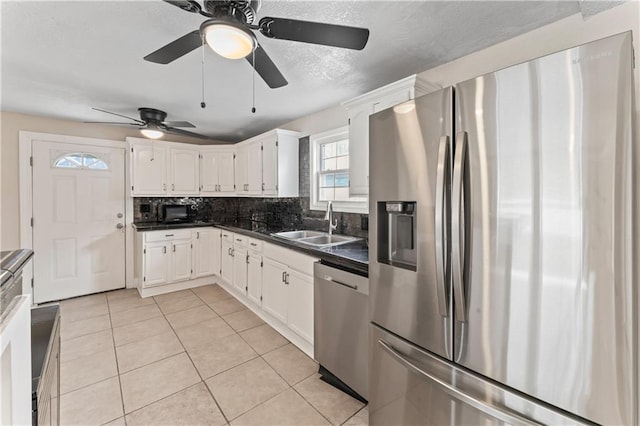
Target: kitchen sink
296,235
316,238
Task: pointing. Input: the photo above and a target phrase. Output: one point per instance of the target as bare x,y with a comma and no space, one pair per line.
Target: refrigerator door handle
458,239
492,410
442,180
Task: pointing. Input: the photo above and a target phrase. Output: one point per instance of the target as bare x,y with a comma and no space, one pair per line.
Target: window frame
83,155
355,204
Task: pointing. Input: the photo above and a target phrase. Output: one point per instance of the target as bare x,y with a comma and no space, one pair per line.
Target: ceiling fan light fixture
152,132
228,40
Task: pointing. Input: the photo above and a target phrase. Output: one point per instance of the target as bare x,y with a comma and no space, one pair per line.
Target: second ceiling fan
229,32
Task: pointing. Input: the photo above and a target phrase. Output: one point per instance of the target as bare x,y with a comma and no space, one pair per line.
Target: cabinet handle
283,274
174,247
247,259
239,240
164,186
229,251
263,186
173,186
164,250
168,235
254,244
233,253
286,278
197,235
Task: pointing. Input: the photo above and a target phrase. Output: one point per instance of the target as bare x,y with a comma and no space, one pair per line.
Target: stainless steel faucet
329,216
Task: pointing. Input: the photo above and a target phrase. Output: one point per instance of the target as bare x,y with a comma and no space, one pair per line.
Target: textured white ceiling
61,58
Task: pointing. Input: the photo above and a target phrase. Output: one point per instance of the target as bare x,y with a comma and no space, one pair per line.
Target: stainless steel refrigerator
504,257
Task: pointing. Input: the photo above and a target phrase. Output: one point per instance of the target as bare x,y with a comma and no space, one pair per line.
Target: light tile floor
190,357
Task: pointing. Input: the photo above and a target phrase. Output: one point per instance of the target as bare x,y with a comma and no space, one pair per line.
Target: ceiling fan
152,123
229,32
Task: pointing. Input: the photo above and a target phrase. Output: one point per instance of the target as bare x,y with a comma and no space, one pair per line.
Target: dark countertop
159,226
352,257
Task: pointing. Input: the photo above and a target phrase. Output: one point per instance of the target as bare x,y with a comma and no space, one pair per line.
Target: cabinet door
149,169
359,150
226,172
241,171
254,169
180,260
227,262
300,304
240,269
254,277
274,291
270,166
156,264
209,171
217,251
204,252
185,174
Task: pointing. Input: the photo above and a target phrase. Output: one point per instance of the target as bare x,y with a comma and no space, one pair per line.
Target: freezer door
409,163
410,386
543,225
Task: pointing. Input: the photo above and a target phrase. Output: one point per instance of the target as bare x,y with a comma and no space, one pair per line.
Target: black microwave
172,213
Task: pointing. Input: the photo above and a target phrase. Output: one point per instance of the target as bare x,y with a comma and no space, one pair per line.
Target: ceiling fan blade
189,6
183,132
176,48
111,122
177,124
267,69
315,32
138,121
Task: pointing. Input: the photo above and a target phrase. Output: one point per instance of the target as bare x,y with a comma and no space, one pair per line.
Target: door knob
120,226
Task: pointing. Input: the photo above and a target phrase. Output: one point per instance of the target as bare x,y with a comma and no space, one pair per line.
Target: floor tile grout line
198,371
354,414
124,417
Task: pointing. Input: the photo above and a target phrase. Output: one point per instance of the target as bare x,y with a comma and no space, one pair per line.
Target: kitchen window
329,169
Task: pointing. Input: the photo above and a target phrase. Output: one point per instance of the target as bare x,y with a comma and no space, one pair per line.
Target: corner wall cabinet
263,166
359,109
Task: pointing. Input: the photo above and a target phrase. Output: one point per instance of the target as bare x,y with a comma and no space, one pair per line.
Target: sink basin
296,235
327,240
316,238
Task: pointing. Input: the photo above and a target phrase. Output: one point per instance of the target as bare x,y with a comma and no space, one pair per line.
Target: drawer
227,236
240,240
293,259
255,245
167,235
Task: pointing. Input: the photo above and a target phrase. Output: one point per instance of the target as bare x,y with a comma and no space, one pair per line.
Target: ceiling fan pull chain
203,104
253,89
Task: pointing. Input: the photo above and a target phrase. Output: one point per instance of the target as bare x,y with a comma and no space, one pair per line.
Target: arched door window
80,161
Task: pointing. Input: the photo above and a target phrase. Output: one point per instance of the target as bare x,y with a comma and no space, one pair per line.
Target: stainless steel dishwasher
341,326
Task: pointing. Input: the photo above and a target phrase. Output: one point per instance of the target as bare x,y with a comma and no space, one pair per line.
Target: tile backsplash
265,213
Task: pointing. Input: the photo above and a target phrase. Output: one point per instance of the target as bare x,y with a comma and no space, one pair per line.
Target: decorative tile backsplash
261,213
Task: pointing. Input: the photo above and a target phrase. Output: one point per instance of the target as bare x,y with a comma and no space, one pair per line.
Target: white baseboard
168,288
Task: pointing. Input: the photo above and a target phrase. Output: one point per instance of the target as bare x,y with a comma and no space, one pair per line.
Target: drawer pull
254,244
330,279
168,235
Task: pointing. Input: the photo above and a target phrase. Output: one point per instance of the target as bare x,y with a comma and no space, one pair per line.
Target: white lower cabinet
240,269
175,256
254,277
156,264
274,290
226,263
300,304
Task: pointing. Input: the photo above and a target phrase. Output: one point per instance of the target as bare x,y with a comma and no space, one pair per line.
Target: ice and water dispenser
397,234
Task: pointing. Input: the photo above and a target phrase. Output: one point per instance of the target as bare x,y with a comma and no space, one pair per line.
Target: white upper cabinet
267,165
163,168
148,169
263,166
217,172
254,169
359,110
184,176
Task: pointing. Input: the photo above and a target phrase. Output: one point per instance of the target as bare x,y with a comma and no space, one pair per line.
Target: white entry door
78,220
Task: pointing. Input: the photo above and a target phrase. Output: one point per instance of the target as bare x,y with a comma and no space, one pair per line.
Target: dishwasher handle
333,280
